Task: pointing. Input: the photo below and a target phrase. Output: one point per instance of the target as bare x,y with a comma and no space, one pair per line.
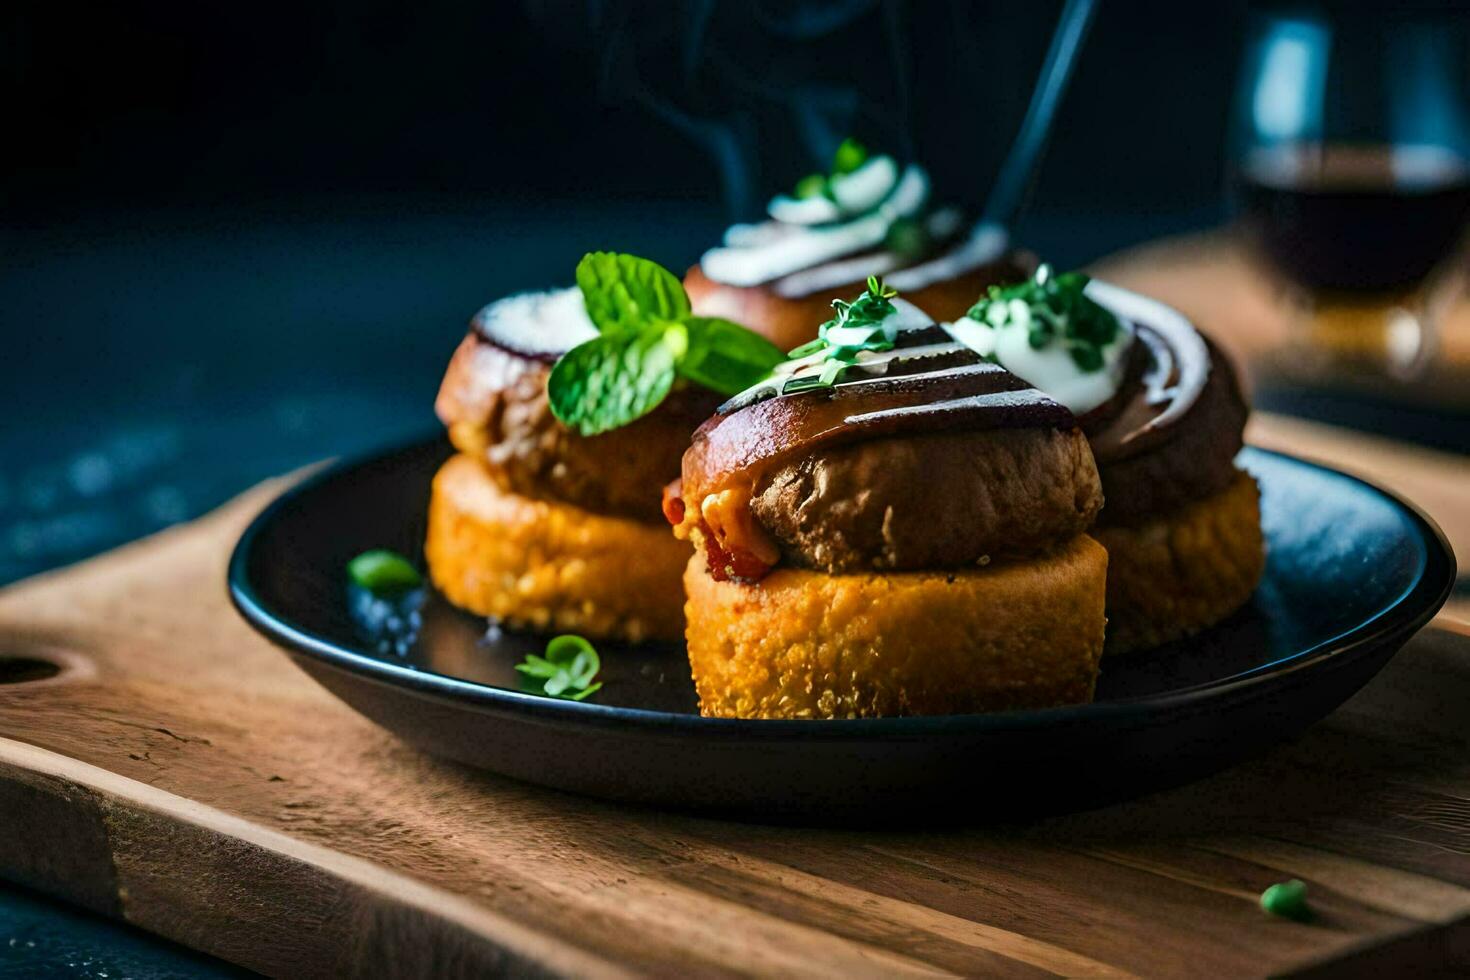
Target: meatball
494,402
937,500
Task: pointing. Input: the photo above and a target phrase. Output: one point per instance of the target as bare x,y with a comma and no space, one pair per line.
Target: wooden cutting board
181,774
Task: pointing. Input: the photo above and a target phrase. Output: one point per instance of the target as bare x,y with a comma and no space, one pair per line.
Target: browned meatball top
939,500
1192,457
494,402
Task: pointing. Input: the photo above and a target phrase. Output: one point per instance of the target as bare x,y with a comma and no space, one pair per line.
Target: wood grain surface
181,774
1213,278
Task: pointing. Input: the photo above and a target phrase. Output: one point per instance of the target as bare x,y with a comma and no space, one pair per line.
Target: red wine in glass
1353,217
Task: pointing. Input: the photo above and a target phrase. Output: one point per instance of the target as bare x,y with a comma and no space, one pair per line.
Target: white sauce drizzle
905,318
1052,368
825,278
756,254
1188,347
1053,371
986,243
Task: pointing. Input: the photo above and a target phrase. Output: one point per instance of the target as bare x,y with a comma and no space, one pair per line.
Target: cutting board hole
25,670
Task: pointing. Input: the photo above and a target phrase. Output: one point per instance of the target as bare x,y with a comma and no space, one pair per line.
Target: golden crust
550,565
804,644
1185,570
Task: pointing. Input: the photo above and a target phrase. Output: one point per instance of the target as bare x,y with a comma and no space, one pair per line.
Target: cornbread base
548,565
805,644
1185,570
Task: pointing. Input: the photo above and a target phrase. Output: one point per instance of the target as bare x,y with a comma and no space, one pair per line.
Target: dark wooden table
181,774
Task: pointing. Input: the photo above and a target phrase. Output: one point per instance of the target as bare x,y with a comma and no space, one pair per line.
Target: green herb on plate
1052,309
385,598
648,340
384,572
1287,899
566,671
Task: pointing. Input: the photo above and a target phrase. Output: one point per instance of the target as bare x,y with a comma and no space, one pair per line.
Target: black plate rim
1409,612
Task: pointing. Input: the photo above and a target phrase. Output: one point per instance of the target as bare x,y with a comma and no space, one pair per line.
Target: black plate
1352,573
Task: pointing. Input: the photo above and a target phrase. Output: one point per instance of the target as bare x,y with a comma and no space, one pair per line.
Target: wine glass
1351,165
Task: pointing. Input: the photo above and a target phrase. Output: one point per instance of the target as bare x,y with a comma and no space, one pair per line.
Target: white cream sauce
867,202
1051,368
537,324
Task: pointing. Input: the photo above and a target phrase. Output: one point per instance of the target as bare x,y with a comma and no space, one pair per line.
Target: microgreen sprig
863,324
648,339
849,156
566,671
1052,309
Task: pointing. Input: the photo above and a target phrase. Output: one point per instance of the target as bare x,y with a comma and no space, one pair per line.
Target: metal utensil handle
1018,170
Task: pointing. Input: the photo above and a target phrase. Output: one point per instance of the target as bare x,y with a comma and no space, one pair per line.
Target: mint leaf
725,357
648,337
613,379
624,292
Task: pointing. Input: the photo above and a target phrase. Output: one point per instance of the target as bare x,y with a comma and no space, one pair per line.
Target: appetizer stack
869,216
901,516
533,523
570,411
1165,416
890,526
1183,522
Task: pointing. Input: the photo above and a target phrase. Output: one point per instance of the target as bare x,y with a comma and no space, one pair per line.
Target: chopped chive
849,156
908,237
812,185
384,572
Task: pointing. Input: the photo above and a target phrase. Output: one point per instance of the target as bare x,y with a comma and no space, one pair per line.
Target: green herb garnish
812,185
858,326
384,572
1052,308
566,671
624,292
908,238
648,339
850,155
1287,899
